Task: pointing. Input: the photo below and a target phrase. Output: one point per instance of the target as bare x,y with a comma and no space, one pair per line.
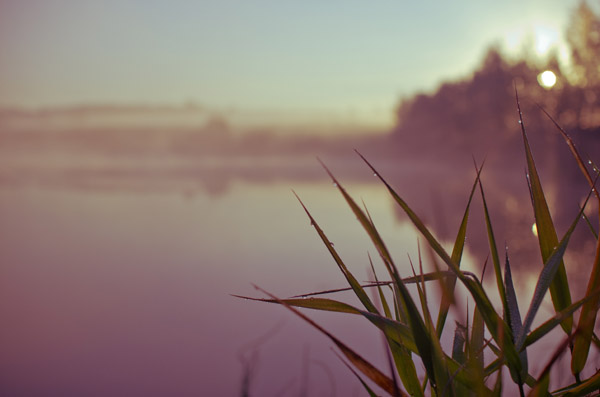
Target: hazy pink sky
353,56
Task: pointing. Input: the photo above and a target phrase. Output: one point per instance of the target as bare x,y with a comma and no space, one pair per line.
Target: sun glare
539,37
547,79
545,38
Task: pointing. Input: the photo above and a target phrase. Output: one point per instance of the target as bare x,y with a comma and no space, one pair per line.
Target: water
119,283
114,292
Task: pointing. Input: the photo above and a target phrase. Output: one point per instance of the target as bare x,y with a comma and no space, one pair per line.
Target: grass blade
514,318
493,249
429,348
547,237
545,279
493,321
401,355
328,305
356,287
550,324
456,256
384,304
432,276
360,363
591,385
587,319
458,345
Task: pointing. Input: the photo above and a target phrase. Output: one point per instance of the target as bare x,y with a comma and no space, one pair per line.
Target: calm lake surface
118,282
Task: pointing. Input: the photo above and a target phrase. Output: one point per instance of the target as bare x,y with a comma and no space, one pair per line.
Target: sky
353,57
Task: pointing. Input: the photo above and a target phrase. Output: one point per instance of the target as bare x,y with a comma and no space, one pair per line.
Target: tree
583,36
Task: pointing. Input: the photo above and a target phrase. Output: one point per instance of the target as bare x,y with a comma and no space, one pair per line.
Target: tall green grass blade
458,345
401,355
458,353
429,348
476,356
399,335
514,318
404,364
497,392
541,388
585,388
493,249
493,321
363,219
587,319
462,355
547,237
403,358
574,152
356,287
323,304
475,345
360,363
545,279
590,226
432,276
550,324
402,335
384,304
456,256
513,313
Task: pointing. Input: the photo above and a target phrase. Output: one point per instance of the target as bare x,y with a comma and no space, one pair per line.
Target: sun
547,79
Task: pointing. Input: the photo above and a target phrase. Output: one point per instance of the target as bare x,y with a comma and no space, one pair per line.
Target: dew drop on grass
334,184
520,122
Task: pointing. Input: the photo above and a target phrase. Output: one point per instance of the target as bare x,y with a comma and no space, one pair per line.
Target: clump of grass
412,335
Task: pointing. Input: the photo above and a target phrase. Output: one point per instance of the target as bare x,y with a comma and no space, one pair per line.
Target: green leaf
591,385
429,348
550,324
476,355
547,237
514,318
356,287
328,305
458,353
493,321
432,276
456,256
360,363
587,319
493,249
458,345
401,355
386,307
545,279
